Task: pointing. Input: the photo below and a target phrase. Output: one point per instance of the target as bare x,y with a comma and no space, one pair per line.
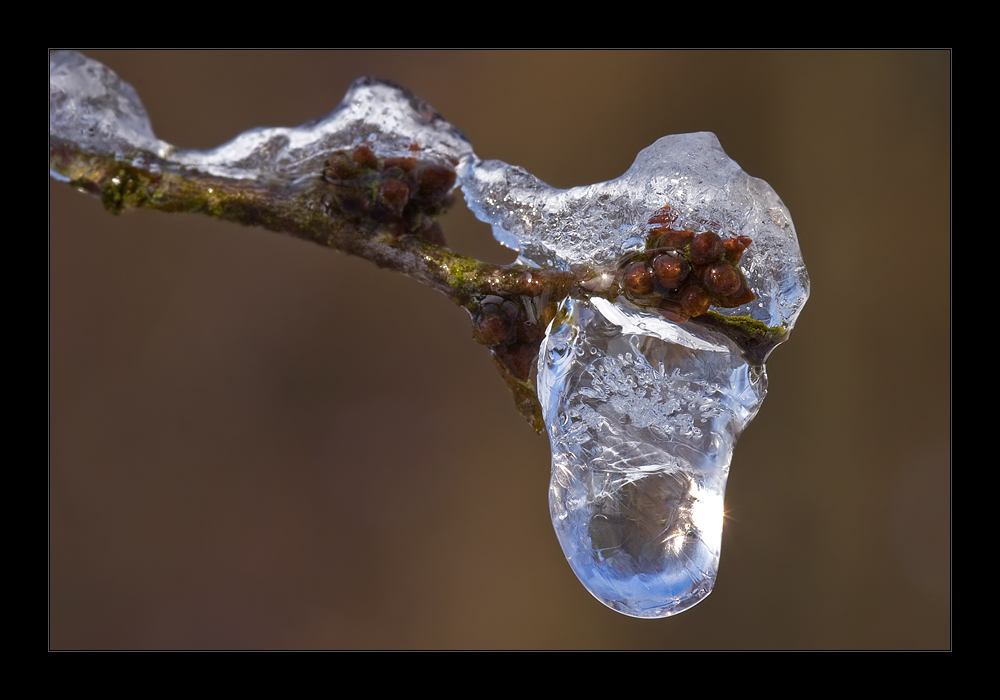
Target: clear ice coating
94,109
642,412
599,224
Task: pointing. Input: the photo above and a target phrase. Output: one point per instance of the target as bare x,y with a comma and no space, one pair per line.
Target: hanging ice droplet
642,401
642,428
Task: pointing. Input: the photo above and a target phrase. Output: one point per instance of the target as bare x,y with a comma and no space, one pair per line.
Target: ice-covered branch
633,328
410,244
370,180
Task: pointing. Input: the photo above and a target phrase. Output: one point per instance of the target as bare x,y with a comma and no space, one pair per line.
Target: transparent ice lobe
642,416
89,105
597,224
388,119
92,108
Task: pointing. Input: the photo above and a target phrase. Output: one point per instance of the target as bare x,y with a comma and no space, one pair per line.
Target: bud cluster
402,193
683,273
513,327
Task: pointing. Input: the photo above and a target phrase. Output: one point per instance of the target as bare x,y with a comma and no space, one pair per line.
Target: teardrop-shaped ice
643,412
642,416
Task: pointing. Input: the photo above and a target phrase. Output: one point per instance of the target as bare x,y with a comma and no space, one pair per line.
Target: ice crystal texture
642,417
599,224
642,412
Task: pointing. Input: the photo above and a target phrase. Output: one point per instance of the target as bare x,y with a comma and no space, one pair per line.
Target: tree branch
350,214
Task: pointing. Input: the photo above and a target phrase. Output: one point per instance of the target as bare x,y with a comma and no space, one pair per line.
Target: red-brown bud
743,295
722,279
694,300
638,279
670,270
496,323
671,239
706,248
735,247
394,194
340,167
434,182
364,157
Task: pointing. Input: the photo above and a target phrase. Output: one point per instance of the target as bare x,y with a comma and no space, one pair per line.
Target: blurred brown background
257,443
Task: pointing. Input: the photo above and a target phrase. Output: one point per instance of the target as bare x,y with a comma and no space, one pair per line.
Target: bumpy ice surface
94,109
642,413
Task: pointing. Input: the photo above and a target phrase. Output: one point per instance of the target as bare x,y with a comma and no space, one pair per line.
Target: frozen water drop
636,492
644,412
